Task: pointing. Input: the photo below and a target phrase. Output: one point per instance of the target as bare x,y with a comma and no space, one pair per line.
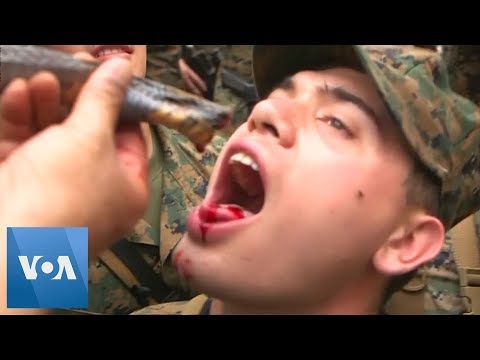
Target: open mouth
239,191
101,51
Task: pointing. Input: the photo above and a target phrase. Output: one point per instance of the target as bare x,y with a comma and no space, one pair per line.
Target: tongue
212,213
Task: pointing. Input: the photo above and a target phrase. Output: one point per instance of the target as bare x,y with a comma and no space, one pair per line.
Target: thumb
98,103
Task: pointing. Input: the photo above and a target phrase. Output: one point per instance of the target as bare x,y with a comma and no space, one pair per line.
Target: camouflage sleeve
186,173
443,290
162,64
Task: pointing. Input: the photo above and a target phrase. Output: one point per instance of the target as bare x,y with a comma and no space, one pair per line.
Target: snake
146,100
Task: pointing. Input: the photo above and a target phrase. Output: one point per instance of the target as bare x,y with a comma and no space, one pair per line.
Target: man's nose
274,117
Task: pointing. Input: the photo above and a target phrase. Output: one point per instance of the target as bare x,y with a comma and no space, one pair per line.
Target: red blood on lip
211,215
214,213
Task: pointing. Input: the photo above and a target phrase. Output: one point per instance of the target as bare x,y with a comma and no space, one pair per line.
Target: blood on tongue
214,212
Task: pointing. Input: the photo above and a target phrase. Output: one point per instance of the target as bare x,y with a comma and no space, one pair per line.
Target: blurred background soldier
222,73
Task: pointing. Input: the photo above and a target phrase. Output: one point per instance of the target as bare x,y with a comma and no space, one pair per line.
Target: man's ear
410,245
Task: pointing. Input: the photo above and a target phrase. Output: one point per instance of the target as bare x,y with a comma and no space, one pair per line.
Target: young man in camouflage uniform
178,178
344,179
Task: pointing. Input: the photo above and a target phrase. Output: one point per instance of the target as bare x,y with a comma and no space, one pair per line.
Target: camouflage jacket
442,296
436,287
443,286
178,181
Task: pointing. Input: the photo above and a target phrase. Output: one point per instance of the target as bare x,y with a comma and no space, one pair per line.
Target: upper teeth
105,52
244,159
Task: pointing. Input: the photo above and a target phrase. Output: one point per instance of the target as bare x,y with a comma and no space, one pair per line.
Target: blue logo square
47,267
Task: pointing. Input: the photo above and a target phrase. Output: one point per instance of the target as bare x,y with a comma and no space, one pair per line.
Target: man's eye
335,123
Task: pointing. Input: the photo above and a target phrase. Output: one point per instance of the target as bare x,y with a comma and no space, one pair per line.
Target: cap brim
273,63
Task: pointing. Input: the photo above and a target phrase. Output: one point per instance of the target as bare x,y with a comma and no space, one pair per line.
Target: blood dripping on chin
211,216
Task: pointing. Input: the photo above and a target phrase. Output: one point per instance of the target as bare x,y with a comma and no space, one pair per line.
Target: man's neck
220,308
356,300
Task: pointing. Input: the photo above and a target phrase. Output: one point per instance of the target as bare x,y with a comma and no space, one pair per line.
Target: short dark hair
423,191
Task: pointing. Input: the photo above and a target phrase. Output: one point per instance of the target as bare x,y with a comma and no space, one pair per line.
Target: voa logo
47,267
30,267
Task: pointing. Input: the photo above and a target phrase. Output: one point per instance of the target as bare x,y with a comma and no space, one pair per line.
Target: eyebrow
339,94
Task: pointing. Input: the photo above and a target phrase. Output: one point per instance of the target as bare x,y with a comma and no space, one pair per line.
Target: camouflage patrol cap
430,92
